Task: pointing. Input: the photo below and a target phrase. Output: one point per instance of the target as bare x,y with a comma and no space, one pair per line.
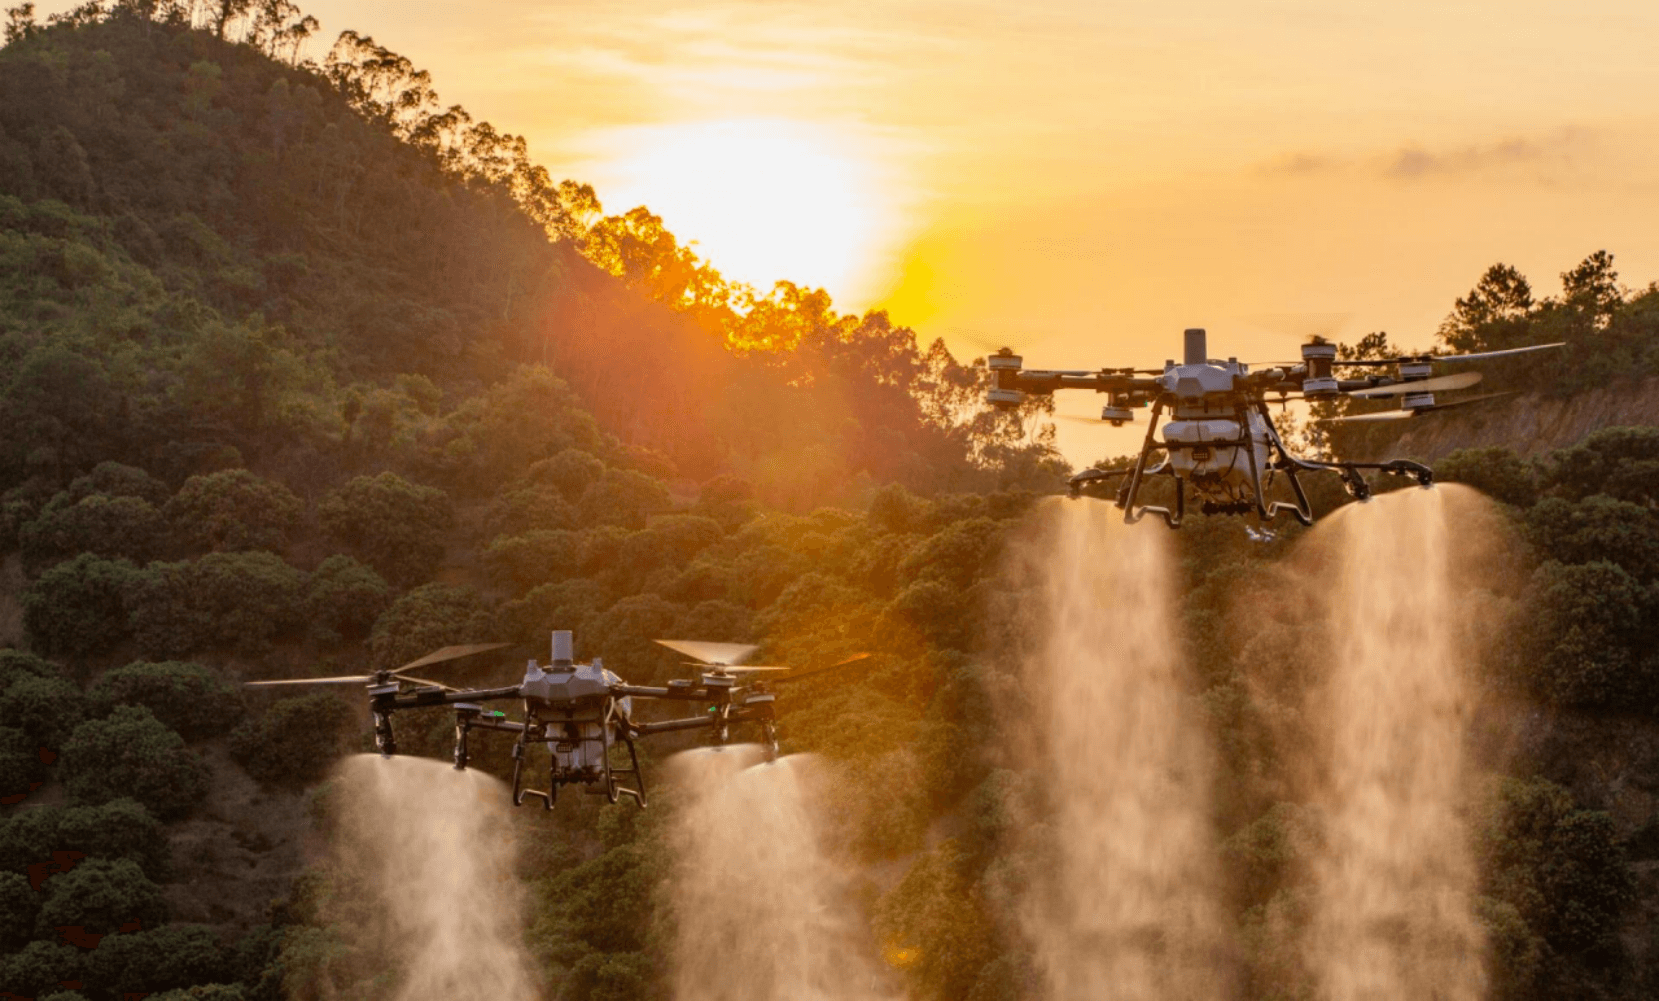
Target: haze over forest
305,370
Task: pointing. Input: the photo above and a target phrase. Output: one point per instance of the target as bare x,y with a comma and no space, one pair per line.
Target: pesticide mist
1395,880
435,846
1130,909
762,913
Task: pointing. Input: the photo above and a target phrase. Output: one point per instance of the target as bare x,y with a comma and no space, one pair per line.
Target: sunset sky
1086,179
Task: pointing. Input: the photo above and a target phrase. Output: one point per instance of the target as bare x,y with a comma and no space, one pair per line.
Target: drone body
1219,439
582,713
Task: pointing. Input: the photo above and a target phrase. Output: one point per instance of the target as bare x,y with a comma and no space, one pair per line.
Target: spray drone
582,713
1220,439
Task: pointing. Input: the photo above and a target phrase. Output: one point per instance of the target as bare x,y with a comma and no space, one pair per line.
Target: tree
19,904
47,710
1493,315
189,697
429,617
133,754
233,510
78,607
242,600
1496,472
100,896
1621,462
1561,867
294,742
170,957
623,497
396,526
343,599
119,829
112,527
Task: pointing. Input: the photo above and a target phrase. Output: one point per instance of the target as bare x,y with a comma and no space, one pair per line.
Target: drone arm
439,697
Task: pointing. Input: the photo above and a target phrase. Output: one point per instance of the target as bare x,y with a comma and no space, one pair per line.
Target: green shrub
425,619
116,480
119,829
1496,472
570,604
234,509
521,562
191,698
399,528
623,497
133,754
570,472
1621,462
1597,528
1579,637
101,896
46,709
16,664
535,507
21,767
166,958
79,607
19,905
240,600
1561,868
296,741
112,527
343,599
41,967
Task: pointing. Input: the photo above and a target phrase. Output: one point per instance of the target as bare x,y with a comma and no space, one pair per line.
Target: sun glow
762,199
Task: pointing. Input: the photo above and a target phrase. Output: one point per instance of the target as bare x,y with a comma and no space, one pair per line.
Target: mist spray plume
435,846
1395,878
1130,909
763,913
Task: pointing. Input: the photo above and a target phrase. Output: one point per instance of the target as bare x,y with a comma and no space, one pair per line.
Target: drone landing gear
601,768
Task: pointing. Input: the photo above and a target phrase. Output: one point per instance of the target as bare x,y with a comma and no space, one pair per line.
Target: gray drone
582,713
1220,439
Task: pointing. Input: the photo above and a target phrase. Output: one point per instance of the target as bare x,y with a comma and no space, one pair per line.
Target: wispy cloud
1541,157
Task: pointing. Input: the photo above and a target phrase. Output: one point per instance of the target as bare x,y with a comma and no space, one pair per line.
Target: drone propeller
1438,359
711,654
810,671
448,653
1444,383
1400,415
357,679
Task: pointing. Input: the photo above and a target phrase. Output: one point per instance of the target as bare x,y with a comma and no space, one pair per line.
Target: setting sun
762,199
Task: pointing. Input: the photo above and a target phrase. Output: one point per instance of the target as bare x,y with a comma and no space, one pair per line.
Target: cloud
1543,155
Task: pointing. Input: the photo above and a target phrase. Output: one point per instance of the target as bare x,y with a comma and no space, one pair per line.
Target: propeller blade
746,668
810,671
1382,415
423,681
1075,419
1498,354
1439,384
450,653
1474,399
711,654
358,679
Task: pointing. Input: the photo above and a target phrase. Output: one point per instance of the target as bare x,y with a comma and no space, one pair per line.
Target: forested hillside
304,372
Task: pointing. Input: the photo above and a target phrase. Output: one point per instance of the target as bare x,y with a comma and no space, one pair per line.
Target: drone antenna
563,650
1198,351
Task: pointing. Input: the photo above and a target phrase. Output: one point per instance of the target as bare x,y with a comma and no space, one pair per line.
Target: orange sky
1086,178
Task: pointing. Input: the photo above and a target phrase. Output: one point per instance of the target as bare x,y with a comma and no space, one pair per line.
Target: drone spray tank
1209,432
